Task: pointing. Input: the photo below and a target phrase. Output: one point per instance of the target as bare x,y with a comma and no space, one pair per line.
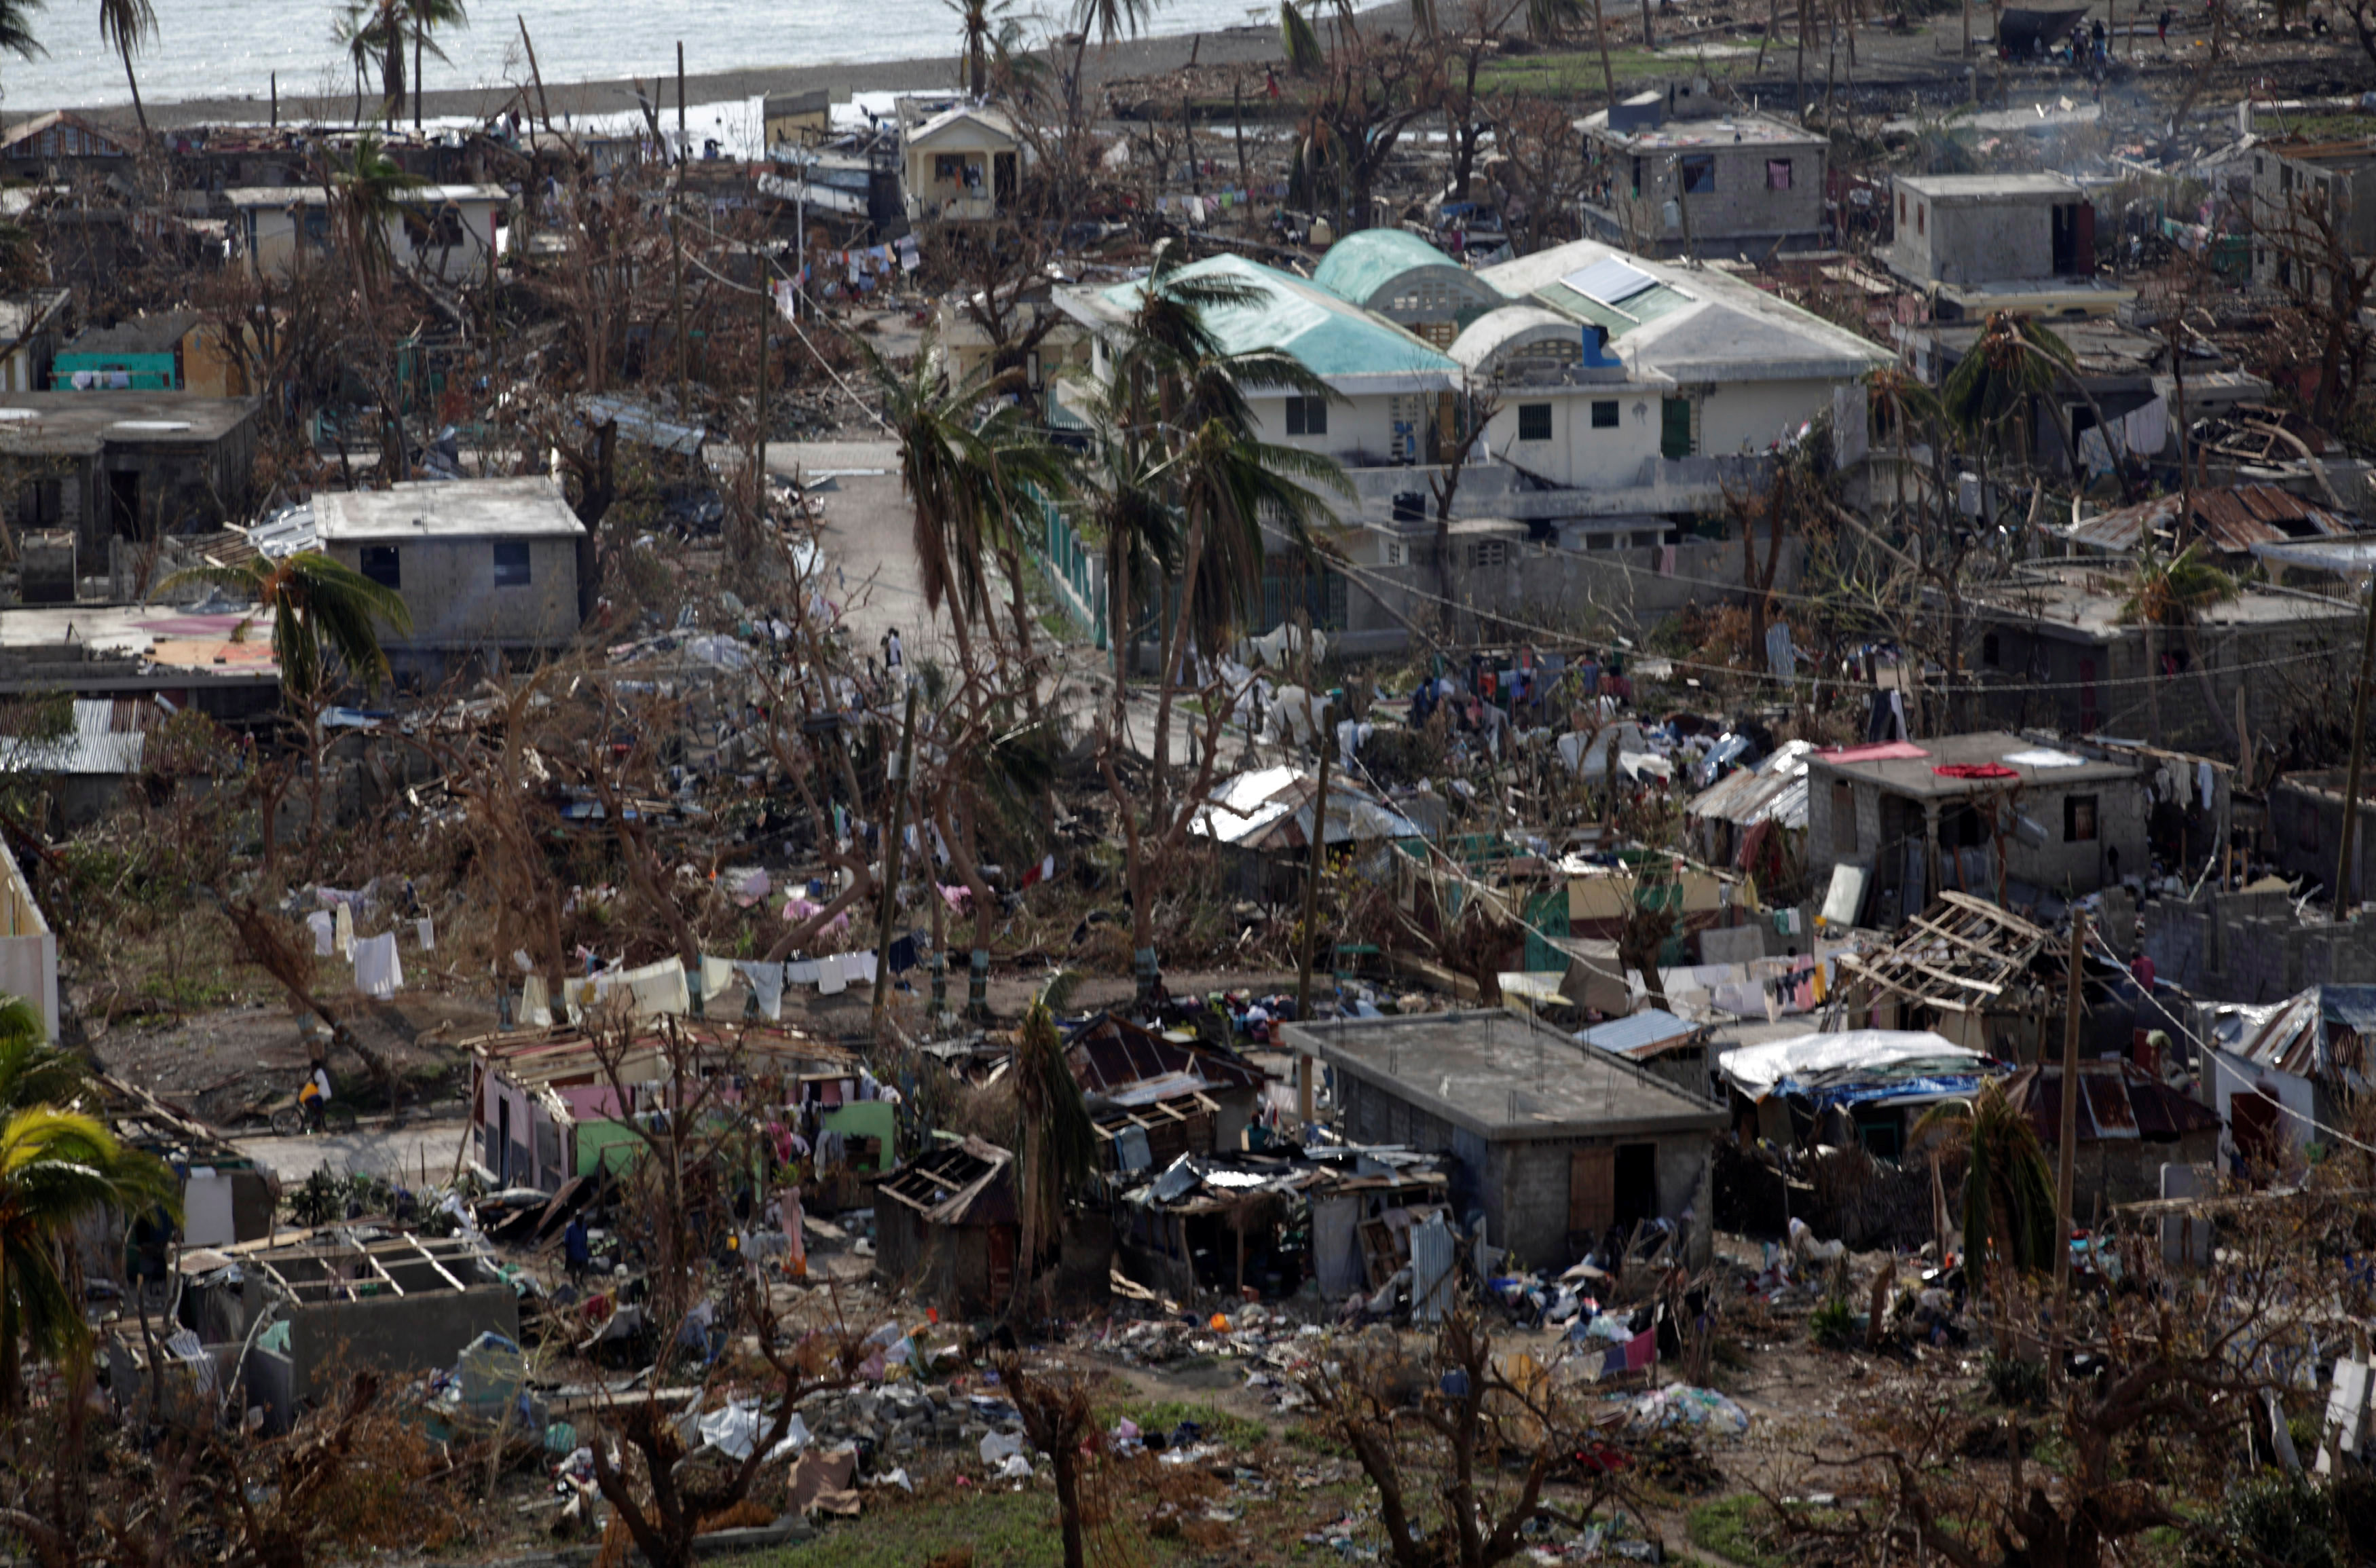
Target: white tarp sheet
1755,1069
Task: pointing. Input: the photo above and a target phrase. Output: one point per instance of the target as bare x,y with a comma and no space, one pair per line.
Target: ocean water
230,48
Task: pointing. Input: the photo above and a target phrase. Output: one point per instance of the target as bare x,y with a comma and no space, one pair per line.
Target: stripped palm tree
127,27
1109,19
57,1169
423,19
366,197
1055,1141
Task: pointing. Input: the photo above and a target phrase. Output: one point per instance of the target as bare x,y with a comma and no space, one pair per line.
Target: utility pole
2070,1132
681,143
2343,890
891,847
1317,857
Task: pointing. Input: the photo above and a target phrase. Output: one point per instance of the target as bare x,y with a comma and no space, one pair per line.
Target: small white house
447,231
960,165
1568,412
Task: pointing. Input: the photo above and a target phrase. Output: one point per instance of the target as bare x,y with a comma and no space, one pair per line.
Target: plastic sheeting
1757,1070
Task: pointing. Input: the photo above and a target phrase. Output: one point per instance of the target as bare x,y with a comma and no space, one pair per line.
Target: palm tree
320,606
427,17
2011,363
1055,1141
2170,593
1109,19
974,20
321,609
2008,1187
57,1167
17,28
127,27
366,201
32,1071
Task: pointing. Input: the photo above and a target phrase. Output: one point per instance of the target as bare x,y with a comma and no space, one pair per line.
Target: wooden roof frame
1986,947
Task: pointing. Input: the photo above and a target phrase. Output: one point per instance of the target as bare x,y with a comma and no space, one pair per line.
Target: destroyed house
1551,1143
1658,1042
30,327
2305,831
946,1227
2130,1124
1262,822
445,232
2302,192
545,1106
1990,815
1965,968
2227,522
1154,1098
1268,1223
2060,646
353,1297
1681,174
2292,1069
127,465
492,570
47,145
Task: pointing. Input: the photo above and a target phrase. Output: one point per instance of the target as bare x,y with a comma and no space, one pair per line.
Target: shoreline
1249,45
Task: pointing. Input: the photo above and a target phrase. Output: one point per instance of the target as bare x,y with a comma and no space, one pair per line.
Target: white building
445,230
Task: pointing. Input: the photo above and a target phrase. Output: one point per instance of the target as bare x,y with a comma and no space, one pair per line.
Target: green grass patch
1740,1529
1004,1530
1165,1416
1572,73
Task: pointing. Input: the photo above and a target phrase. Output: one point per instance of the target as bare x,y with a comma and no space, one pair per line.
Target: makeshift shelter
1864,1086
1755,820
1261,820
1270,1222
2130,1124
1964,968
946,1227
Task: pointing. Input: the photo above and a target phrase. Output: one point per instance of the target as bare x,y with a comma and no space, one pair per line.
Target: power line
1844,682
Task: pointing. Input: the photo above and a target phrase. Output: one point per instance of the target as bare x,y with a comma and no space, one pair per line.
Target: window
1646,540
1534,421
1699,174
1921,213
2285,271
1637,176
511,563
1901,207
1844,835
1601,541
1777,174
380,565
1397,553
1604,413
2078,819
2285,177
1490,552
1307,416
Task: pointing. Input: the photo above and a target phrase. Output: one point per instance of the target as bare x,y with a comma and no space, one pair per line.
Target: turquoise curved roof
1362,263
1331,337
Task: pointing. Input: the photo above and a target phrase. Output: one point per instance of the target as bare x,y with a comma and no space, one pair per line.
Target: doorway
124,501
1637,1184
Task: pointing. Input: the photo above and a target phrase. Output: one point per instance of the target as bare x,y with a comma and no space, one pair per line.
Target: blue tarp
1946,1087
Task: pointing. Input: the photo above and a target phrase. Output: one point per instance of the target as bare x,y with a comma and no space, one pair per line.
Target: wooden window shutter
1591,1190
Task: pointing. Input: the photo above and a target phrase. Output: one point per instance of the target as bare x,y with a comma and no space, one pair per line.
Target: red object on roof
1977,770
1888,751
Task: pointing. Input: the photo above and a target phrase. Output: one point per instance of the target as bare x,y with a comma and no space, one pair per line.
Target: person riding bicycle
314,1098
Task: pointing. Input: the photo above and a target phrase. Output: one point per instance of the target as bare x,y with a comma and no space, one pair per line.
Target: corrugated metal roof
1775,790
1331,337
2233,519
2121,1098
1270,809
2319,1034
1363,262
1643,1034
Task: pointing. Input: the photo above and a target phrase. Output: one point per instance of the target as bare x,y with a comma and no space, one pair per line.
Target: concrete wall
2083,687
1543,587
2251,947
399,1334
28,949
1576,454
1524,1192
1962,243
449,586
2305,832
1364,430
1750,416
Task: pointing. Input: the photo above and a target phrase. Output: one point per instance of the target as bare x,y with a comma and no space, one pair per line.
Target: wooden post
543,107
2341,891
2070,1132
891,847
276,101
681,142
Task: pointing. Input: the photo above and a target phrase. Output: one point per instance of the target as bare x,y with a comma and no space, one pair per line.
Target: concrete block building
1551,1143
1983,243
1985,815
498,569
1674,173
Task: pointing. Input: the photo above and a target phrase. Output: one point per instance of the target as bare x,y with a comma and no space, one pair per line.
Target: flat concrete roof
1981,189
1918,777
1692,134
532,507
2084,597
83,421
1504,1079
